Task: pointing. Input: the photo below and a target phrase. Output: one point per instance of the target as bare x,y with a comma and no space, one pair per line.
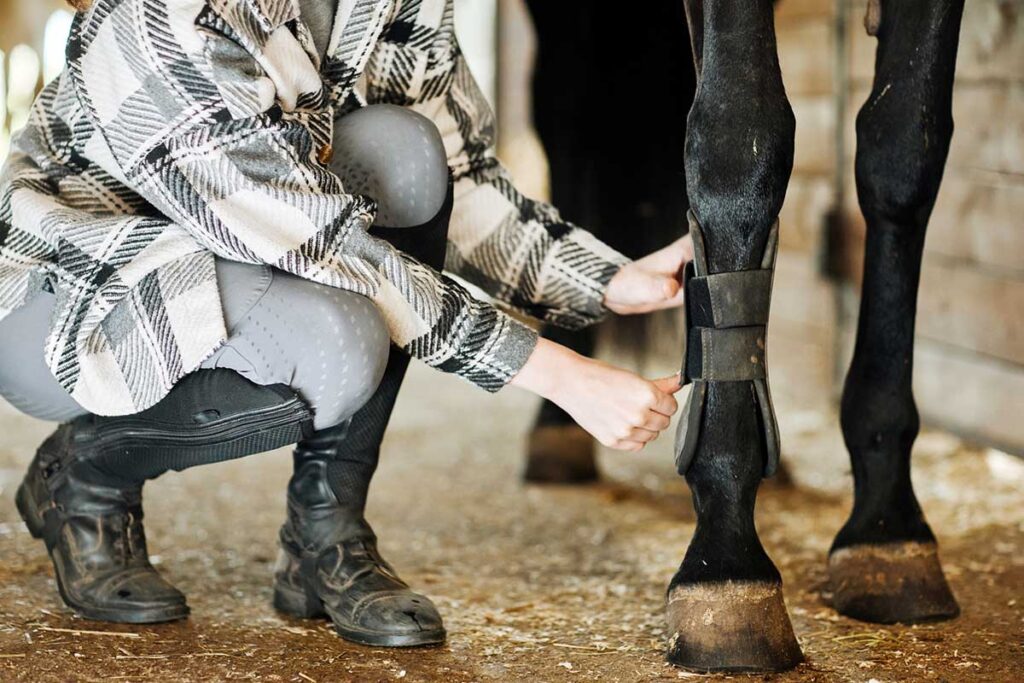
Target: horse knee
905,126
395,156
739,154
901,155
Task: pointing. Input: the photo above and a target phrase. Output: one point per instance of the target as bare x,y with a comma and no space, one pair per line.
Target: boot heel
296,603
293,594
29,511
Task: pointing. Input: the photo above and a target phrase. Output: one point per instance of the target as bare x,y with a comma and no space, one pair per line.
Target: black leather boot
95,539
83,491
329,564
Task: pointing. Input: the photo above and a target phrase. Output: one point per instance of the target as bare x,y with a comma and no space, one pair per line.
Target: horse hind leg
725,606
558,450
883,565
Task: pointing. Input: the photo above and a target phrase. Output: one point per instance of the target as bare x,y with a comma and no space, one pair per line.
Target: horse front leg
725,605
883,564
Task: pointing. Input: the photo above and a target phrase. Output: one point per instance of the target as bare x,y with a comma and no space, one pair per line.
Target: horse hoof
560,454
733,626
890,583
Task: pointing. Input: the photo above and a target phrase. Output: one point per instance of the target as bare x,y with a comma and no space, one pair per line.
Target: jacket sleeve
518,250
229,142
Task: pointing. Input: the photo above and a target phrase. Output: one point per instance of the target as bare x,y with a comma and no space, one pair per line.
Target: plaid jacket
138,165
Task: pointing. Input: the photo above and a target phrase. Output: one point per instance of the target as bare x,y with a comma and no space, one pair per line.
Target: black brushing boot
329,563
95,538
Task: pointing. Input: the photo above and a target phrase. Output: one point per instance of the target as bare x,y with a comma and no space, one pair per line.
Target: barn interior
564,582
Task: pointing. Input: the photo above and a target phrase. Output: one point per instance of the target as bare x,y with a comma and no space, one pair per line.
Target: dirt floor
536,584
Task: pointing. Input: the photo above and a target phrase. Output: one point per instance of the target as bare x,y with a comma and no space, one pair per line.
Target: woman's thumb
670,384
651,287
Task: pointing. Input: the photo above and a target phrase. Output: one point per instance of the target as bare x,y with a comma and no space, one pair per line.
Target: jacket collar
273,13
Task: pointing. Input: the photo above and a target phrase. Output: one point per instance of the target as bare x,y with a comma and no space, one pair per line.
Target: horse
725,605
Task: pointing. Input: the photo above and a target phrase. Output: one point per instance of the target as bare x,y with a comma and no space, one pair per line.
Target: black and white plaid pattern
184,129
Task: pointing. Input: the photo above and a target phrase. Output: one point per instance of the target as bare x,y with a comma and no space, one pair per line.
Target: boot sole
28,508
298,603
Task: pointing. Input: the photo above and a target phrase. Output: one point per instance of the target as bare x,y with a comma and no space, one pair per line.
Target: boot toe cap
137,595
399,612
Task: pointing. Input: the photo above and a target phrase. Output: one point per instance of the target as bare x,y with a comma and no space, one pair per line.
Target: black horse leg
559,450
725,606
883,564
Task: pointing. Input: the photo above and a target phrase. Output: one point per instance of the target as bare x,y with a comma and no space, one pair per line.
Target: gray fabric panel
318,16
329,345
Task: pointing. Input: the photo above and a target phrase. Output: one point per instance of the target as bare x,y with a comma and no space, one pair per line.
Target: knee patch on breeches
396,157
329,345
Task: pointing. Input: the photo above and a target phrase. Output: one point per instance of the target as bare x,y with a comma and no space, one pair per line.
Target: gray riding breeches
329,345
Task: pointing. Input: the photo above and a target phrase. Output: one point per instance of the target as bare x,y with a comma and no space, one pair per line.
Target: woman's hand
620,409
651,283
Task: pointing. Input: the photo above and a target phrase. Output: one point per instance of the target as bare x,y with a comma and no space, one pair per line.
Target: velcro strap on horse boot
726,318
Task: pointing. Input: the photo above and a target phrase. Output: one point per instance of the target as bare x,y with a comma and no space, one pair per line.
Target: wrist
547,368
611,286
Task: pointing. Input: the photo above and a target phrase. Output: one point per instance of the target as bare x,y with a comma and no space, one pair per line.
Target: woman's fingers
674,301
619,408
648,290
642,435
656,422
651,428
665,404
651,283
